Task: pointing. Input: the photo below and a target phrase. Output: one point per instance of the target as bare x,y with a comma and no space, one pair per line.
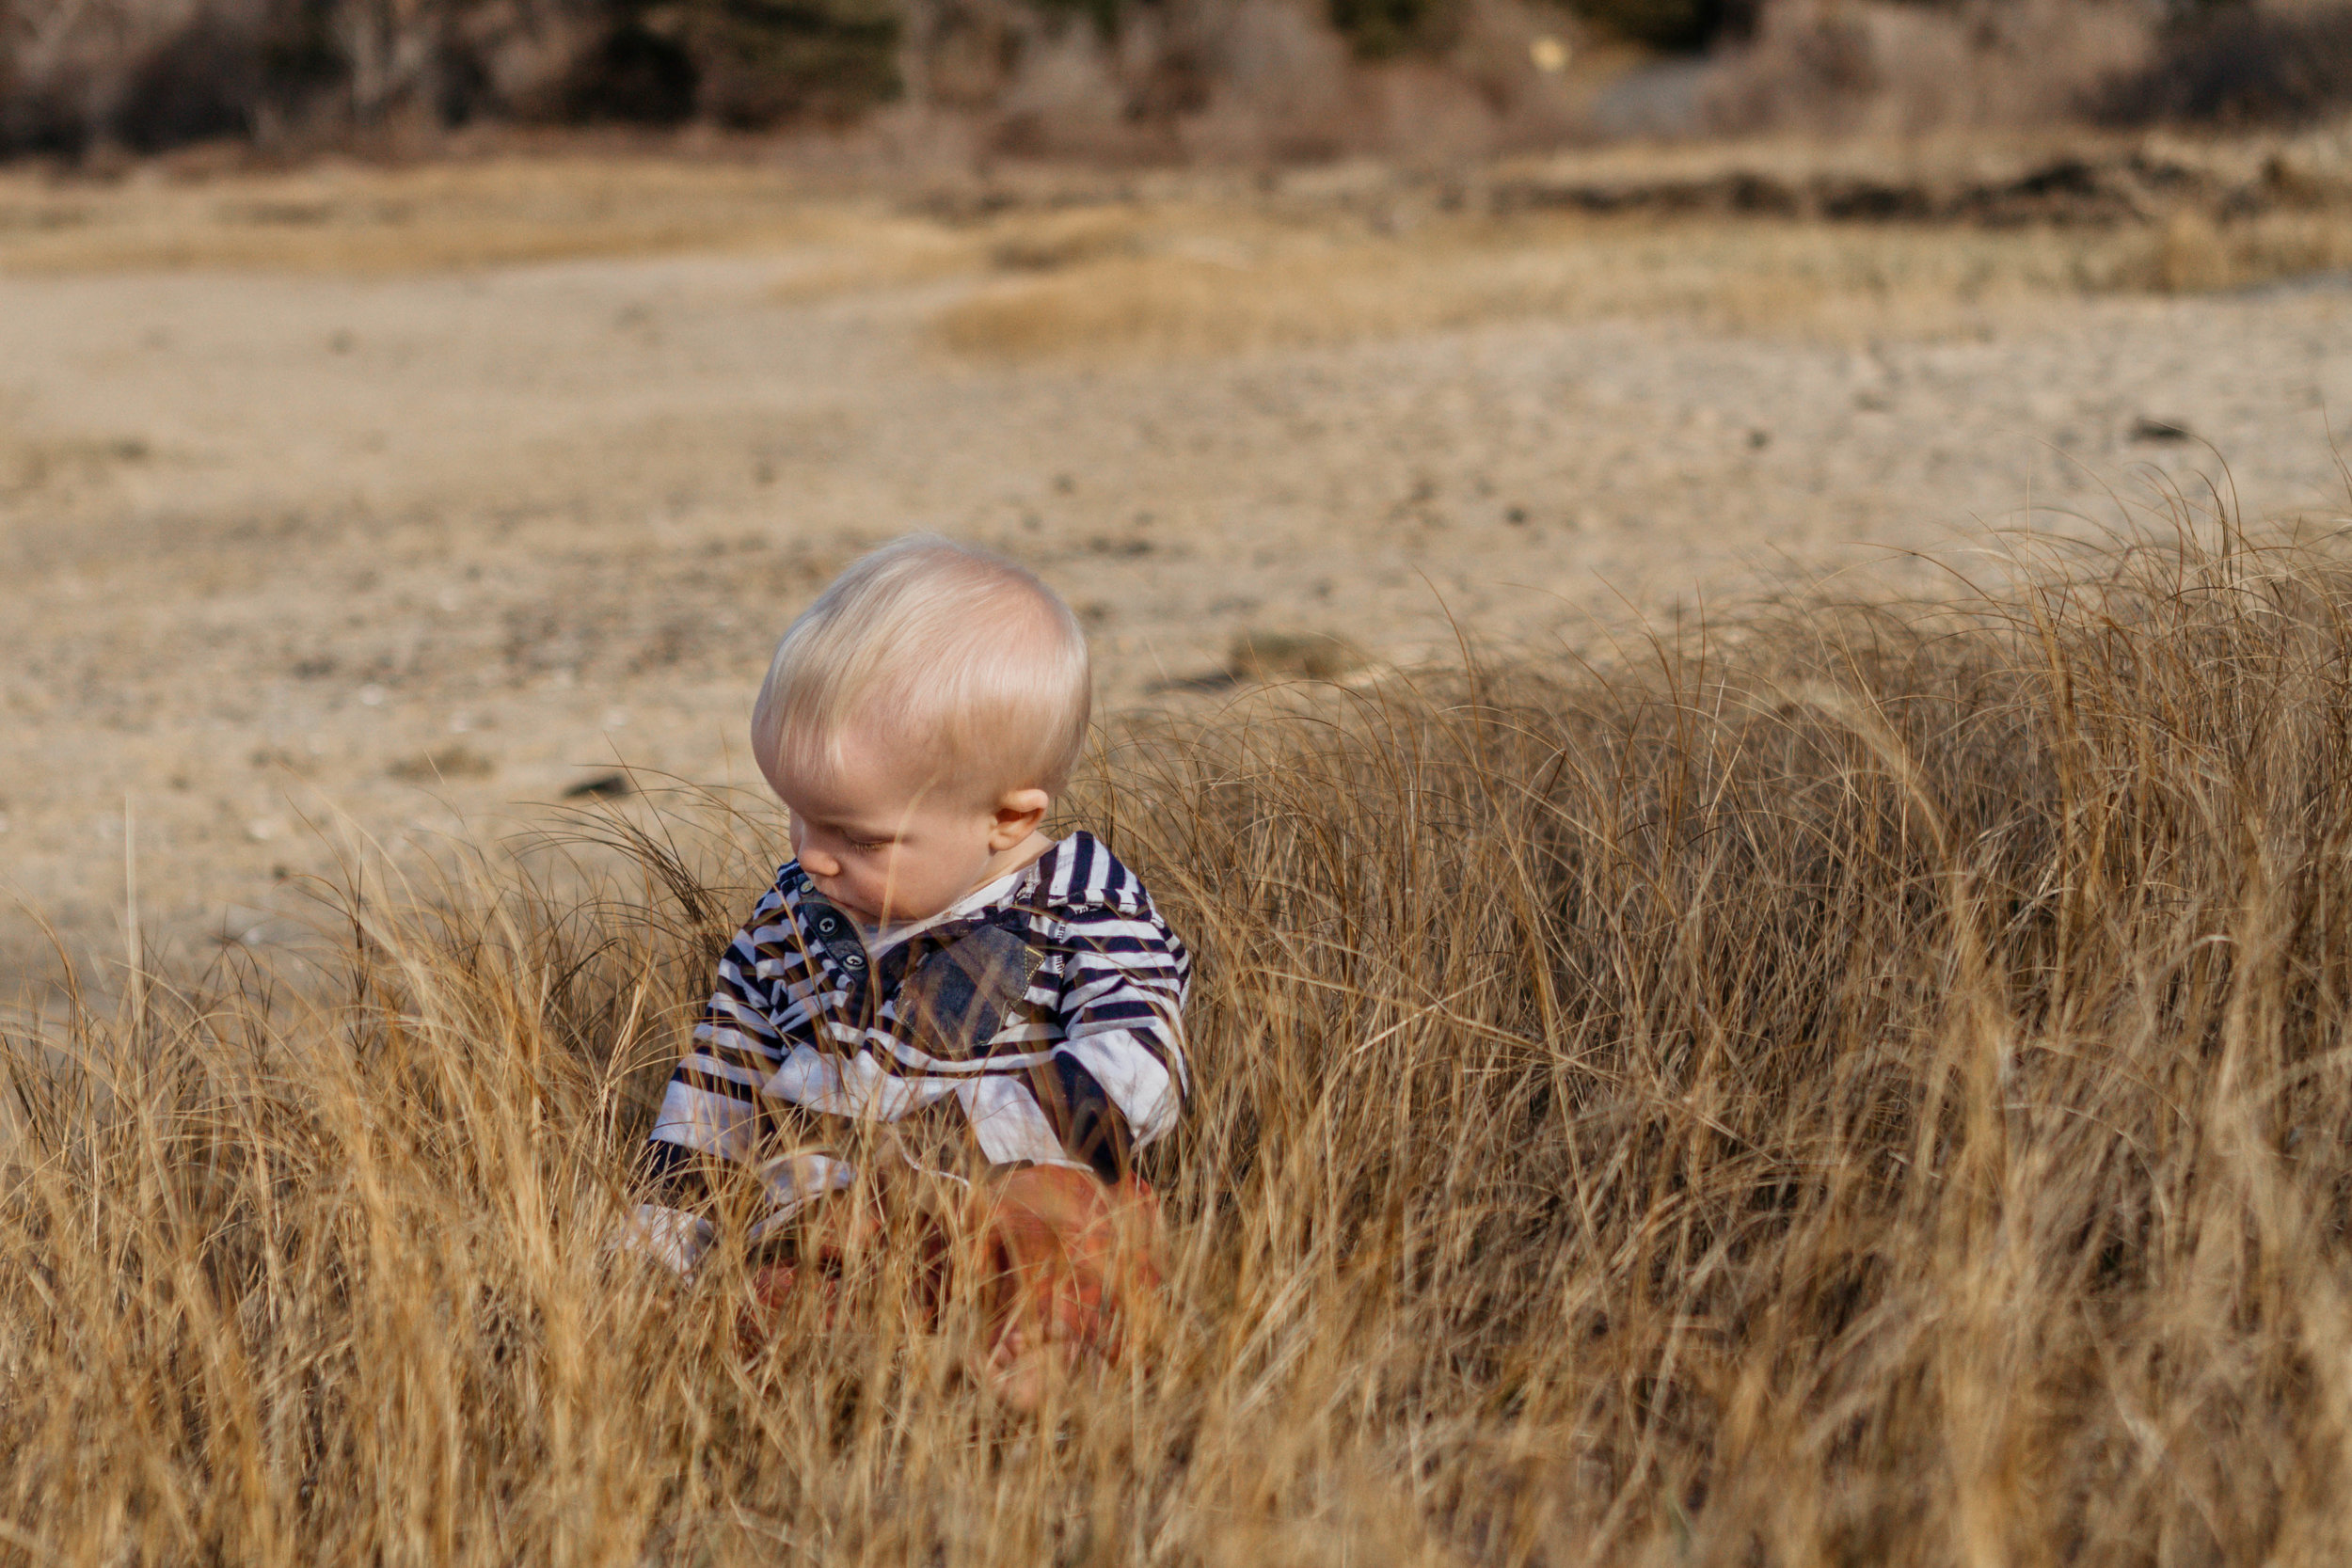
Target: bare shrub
1884,68
1260,80
1382,29
2240,65
960,54
156,73
1498,54
76,70
1065,96
770,62
1280,87
1860,1085
629,75
1675,25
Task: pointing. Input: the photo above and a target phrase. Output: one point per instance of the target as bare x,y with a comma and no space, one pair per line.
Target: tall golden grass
1864,1084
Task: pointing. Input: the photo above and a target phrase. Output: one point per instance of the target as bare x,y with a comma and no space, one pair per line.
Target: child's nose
820,863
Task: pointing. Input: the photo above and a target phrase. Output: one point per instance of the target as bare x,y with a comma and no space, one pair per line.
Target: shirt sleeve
1116,1081
711,1109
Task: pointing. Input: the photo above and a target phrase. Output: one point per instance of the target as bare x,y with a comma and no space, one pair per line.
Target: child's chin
848,903
865,914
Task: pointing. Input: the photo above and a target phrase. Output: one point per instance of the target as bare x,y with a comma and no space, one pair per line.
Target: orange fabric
1066,1265
1073,1268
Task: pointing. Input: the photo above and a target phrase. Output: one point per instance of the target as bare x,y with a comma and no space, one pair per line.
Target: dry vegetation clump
2239,65
1843,68
424,217
1237,289
1873,242
1862,1085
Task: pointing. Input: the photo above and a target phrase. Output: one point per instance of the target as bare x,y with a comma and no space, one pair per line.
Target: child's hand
771,1289
1073,1269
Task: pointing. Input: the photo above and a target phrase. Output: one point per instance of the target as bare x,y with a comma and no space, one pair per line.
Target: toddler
933,985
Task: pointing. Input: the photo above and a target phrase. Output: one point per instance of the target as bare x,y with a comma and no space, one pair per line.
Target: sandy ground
269,539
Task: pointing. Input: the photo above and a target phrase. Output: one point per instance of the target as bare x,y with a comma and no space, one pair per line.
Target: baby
934,994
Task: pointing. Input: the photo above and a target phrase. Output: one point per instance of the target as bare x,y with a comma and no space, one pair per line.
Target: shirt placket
836,934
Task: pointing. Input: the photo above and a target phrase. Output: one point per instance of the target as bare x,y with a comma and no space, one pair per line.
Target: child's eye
867,845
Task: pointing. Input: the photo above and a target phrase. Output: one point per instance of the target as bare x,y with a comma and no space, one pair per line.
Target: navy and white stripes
1047,1023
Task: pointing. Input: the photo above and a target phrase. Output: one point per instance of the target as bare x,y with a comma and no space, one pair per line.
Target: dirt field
343,505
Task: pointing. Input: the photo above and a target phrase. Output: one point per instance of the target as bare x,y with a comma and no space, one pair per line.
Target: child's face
885,844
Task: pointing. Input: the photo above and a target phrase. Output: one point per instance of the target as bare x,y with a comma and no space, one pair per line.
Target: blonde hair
958,652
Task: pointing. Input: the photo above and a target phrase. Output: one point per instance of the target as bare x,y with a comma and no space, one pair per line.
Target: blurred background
417,415
960,82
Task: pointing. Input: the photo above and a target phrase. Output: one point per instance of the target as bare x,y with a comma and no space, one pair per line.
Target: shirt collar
850,944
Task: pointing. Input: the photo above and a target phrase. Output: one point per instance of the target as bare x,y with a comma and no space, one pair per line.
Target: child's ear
1018,813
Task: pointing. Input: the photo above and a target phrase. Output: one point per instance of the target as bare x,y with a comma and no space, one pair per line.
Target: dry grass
2191,254
1865,1085
1186,267
1206,291
372,222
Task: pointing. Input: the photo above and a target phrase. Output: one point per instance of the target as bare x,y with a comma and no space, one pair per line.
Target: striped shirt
1041,1020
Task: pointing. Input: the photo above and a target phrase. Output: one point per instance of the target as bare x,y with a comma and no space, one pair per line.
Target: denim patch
959,997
